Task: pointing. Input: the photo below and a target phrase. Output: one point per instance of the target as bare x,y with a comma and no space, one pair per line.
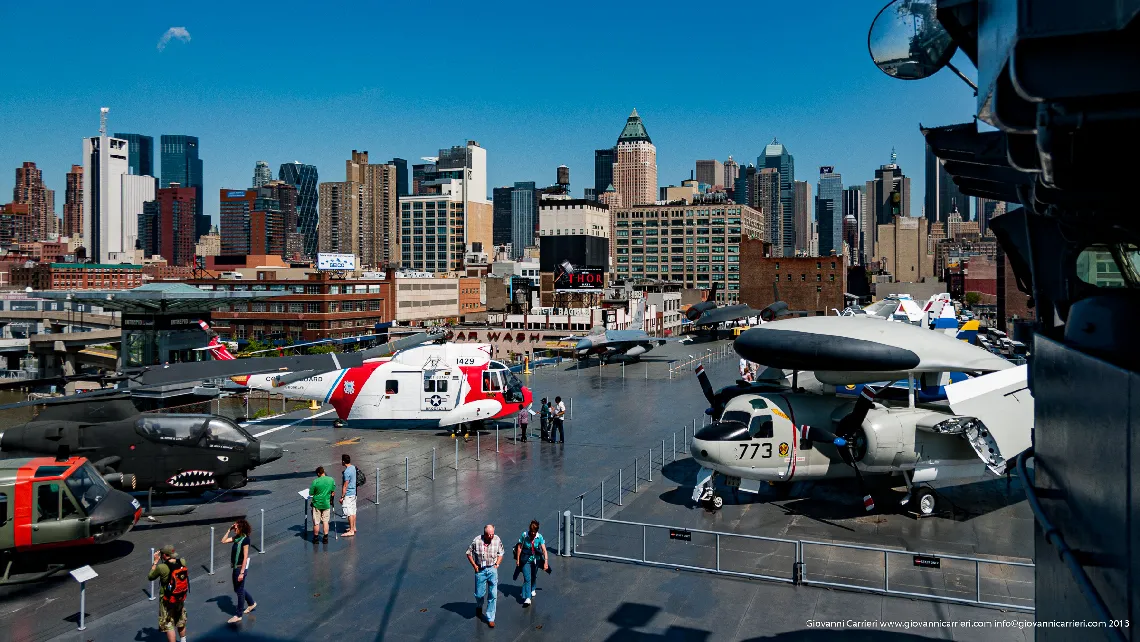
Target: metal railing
708,355
886,567
716,538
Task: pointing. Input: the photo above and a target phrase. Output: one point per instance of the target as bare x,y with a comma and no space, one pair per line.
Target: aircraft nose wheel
924,501
716,502
339,423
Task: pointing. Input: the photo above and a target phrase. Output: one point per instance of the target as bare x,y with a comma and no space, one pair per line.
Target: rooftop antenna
103,120
894,156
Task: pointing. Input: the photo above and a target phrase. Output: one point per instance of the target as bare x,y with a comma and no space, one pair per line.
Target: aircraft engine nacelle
635,351
888,441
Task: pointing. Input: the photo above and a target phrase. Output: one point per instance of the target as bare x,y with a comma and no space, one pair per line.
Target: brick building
320,307
903,251
77,276
472,295
814,284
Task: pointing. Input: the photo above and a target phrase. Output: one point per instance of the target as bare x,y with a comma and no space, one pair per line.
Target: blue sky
537,84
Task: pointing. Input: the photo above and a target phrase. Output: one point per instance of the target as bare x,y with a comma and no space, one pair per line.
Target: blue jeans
530,578
243,595
487,581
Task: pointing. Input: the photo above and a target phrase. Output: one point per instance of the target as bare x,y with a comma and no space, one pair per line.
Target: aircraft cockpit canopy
511,386
88,487
192,430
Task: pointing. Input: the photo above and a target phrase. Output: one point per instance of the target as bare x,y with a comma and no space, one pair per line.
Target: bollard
567,526
152,596
433,463
478,447
650,464
619,486
261,548
376,498
456,454
407,479
211,550
82,604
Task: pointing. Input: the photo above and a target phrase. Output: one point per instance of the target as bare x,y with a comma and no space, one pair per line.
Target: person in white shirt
559,421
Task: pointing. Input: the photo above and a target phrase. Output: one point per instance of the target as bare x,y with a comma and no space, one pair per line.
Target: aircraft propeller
848,432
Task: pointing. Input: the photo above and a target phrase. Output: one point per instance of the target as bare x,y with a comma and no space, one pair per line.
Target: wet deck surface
405,576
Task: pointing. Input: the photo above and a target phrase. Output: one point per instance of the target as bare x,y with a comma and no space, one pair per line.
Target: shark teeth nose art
192,478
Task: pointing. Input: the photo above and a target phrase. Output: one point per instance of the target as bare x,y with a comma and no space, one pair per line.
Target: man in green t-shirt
172,599
320,496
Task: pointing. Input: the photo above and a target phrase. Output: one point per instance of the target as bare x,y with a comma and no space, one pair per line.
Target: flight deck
405,575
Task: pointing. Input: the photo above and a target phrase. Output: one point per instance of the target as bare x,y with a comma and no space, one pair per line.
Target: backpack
360,480
177,584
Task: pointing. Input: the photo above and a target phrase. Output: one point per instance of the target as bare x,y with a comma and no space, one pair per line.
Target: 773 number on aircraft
755,448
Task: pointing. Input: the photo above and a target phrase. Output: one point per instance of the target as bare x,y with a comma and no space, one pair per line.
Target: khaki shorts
321,516
171,618
348,505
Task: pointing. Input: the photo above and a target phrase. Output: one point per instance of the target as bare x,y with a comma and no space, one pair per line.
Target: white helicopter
930,430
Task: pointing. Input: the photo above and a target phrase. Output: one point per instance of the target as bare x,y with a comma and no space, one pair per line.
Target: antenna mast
103,120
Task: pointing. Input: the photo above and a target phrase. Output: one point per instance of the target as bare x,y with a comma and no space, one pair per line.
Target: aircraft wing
1002,402
716,316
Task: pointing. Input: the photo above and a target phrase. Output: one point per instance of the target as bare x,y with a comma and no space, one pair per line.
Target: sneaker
526,602
234,620
534,593
250,608
491,624
325,538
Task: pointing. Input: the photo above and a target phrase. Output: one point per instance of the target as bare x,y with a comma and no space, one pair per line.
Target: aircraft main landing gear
924,502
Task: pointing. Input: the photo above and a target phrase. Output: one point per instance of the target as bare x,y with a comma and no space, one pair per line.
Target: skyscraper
401,176
604,160
777,156
104,165
304,177
379,226
31,191
181,164
731,172
342,208
73,203
140,154
711,173
888,196
251,223
524,217
635,170
942,194
261,173
853,198
829,211
501,217
803,217
745,188
767,196
168,225
136,191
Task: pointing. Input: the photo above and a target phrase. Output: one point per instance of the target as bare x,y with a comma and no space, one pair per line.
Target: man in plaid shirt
485,555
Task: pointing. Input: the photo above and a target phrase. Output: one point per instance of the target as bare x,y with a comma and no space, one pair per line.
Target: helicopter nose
268,452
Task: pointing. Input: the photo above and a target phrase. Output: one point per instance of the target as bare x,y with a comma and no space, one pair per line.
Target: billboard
579,278
827,169
336,261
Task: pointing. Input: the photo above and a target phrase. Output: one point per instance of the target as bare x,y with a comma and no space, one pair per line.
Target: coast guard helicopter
768,432
432,385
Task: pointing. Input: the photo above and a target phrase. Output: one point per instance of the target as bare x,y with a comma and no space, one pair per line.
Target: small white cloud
173,33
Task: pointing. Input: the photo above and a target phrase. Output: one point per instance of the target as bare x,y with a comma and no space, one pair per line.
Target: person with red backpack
174,578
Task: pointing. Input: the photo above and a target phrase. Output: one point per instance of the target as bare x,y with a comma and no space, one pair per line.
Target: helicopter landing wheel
338,423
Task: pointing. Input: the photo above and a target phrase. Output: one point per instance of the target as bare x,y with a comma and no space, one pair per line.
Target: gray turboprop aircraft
611,344
925,432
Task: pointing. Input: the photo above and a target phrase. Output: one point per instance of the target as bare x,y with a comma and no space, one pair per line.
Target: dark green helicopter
164,452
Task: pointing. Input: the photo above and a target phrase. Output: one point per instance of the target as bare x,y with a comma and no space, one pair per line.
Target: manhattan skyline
536,100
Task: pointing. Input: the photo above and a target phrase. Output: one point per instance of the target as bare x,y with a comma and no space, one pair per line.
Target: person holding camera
530,554
238,536
174,577
320,498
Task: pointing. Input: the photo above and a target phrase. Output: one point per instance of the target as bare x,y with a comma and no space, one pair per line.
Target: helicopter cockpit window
760,427
491,382
429,385
88,487
50,471
47,502
222,433
171,427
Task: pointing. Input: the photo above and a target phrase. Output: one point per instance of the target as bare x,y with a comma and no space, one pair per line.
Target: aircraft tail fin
638,321
218,350
968,332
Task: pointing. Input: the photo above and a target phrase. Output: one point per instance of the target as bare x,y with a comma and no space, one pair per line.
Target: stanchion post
478,445
581,512
674,446
635,474
211,550
407,477
456,454
602,497
496,436
567,525
261,548
433,463
376,496
571,407
650,464
619,486
152,596
82,605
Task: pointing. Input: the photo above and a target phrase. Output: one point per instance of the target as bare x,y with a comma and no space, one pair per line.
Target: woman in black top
238,534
